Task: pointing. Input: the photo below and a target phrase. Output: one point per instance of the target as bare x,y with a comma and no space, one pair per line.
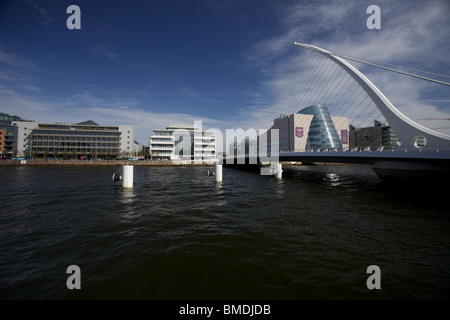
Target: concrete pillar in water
127,176
279,172
218,173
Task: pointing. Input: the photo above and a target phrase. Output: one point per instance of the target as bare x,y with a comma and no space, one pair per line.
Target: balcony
161,149
161,142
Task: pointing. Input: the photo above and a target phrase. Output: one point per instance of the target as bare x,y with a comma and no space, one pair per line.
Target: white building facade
182,142
127,148
22,131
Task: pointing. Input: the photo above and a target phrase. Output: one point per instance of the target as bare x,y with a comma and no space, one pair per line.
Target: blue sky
153,63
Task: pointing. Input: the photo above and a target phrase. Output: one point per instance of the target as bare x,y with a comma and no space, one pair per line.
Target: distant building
161,144
12,140
2,141
138,150
182,142
310,129
247,147
22,131
85,139
373,137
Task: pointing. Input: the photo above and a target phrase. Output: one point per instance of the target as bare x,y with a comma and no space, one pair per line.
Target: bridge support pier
275,169
279,171
128,175
218,173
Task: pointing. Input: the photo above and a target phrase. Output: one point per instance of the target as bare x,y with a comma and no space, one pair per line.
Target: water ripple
179,235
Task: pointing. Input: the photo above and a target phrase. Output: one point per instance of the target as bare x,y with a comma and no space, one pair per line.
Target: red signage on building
344,136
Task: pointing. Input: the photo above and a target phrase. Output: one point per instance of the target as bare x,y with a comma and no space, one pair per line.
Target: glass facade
322,133
73,141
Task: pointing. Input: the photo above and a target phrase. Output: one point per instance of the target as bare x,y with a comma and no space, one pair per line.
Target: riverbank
139,163
99,163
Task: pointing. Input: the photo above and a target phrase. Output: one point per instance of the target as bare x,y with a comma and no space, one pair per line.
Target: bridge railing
435,148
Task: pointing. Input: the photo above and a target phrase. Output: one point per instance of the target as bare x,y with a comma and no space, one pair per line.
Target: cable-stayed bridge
346,119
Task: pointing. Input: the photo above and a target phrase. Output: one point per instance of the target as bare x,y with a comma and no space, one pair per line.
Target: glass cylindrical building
322,133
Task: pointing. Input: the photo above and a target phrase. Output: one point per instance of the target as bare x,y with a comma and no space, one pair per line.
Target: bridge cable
398,71
388,64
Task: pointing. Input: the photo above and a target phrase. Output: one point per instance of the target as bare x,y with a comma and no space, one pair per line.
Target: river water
180,235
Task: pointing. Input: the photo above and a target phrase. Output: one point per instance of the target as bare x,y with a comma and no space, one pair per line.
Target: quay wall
99,163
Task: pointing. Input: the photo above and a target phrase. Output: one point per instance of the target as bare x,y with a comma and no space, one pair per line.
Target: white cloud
42,14
115,111
12,60
405,94
31,88
17,75
105,111
143,121
104,50
6,92
187,91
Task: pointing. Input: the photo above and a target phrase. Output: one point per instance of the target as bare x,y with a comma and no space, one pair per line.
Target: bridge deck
362,157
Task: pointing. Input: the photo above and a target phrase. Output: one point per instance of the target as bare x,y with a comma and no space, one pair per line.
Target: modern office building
374,137
310,129
25,138
182,142
84,139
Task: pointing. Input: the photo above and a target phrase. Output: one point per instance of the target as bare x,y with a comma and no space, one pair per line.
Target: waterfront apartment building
2,141
310,129
11,140
182,142
22,132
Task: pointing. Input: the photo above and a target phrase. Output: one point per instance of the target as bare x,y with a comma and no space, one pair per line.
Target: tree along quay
99,163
